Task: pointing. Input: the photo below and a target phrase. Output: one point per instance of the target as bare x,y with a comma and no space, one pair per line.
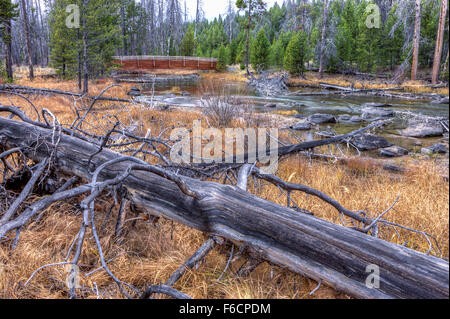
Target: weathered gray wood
304,244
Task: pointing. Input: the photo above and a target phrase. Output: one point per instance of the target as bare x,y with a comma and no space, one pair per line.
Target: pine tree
278,49
221,58
188,43
63,48
346,38
294,59
393,39
8,12
260,51
251,7
92,45
367,41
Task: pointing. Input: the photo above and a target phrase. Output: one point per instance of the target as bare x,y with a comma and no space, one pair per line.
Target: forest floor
148,254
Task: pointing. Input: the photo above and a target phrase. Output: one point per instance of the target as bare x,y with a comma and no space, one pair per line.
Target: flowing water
188,92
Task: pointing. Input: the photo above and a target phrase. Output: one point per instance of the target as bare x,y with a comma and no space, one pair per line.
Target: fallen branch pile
268,85
289,236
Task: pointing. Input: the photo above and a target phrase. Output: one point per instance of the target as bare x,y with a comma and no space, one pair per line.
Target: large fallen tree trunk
337,256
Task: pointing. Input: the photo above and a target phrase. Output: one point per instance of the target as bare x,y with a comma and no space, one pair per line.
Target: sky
213,8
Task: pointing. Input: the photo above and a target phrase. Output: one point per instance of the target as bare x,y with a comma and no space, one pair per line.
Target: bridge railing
163,58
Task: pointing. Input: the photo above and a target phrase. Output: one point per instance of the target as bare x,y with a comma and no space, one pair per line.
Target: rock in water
349,119
394,151
371,112
271,105
423,130
369,142
443,100
377,104
320,118
435,149
302,126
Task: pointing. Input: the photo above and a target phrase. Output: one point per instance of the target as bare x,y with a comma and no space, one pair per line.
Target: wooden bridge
147,62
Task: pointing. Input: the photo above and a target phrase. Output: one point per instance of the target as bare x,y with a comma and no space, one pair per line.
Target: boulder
320,118
295,104
435,149
134,93
374,112
443,100
302,126
369,142
394,151
376,104
422,130
349,119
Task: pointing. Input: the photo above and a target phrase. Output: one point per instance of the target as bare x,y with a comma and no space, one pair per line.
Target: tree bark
85,53
324,32
247,40
8,51
123,26
304,244
27,37
416,43
439,43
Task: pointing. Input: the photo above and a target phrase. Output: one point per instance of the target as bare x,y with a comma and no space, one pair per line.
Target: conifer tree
221,58
188,43
294,59
8,12
260,51
251,7
97,38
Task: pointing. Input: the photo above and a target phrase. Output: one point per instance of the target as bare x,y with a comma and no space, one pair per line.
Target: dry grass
312,80
229,76
21,72
148,255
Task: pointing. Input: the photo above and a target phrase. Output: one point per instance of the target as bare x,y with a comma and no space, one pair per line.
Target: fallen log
335,87
27,89
337,256
344,91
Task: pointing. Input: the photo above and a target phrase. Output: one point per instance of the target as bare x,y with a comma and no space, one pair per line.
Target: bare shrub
219,110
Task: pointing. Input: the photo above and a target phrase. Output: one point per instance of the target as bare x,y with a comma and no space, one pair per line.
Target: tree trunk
416,44
324,32
439,43
247,40
85,53
340,257
8,51
123,26
80,63
27,37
